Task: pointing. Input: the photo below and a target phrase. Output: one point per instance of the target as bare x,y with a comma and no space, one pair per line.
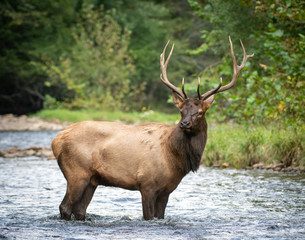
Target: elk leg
64,209
148,204
74,193
160,206
80,207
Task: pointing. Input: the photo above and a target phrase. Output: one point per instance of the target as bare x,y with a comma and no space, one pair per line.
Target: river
210,204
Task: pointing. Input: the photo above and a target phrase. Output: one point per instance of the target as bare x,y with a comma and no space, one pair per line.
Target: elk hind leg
75,190
80,207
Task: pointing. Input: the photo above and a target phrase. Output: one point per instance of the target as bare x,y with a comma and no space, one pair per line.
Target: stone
32,151
258,166
224,165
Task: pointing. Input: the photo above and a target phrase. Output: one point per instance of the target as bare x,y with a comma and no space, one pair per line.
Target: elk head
193,109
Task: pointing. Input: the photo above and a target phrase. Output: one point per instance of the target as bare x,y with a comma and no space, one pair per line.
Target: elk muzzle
185,124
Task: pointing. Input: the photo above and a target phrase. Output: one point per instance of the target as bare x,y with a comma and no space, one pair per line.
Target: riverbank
9,122
255,147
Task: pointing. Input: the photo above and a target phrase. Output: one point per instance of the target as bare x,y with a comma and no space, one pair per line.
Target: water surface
26,139
211,204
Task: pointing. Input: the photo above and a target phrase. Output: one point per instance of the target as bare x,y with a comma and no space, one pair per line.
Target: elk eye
200,112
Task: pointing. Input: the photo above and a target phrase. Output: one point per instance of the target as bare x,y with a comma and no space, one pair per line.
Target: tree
98,69
46,55
29,29
152,24
272,88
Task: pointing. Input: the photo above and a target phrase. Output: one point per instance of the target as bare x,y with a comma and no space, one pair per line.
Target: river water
210,204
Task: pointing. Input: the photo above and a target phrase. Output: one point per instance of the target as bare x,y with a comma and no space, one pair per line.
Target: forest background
103,55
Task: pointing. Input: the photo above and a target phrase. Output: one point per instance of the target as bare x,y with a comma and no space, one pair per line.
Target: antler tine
236,71
170,53
246,57
198,89
185,96
163,76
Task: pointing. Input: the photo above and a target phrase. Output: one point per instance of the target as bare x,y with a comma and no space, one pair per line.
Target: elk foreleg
160,205
148,204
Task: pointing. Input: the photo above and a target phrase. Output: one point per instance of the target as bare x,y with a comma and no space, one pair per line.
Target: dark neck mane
187,148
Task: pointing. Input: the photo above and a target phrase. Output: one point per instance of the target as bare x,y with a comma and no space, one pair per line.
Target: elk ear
208,102
178,101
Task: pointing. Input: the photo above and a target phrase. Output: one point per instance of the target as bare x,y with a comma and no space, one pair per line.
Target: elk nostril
185,124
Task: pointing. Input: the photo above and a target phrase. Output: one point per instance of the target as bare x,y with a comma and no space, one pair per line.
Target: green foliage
85,55
51,103
29,29
79,54
98,69
271,87
151,25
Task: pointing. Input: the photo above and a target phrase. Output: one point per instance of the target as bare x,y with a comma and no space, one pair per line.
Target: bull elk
151,158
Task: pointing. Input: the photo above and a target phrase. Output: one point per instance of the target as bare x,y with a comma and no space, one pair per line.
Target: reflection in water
210,204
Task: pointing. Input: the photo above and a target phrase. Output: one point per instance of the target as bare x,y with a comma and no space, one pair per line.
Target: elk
151,158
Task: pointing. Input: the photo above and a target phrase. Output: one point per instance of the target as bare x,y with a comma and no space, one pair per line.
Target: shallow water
26,139
211,204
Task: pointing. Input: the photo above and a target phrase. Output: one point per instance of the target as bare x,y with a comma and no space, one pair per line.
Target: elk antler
163,75
236,71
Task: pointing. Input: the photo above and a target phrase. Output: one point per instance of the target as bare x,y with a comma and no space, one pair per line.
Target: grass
244,146
238,145
130,118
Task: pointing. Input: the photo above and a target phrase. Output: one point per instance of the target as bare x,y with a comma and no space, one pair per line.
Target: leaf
277,33
203,48
265,67
277,87
252,98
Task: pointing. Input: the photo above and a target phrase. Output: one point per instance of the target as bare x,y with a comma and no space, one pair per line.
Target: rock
32,151
269,166
29,152
224,165
295,169
216,166
46,152
258,166
278,167
3,236
10,122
